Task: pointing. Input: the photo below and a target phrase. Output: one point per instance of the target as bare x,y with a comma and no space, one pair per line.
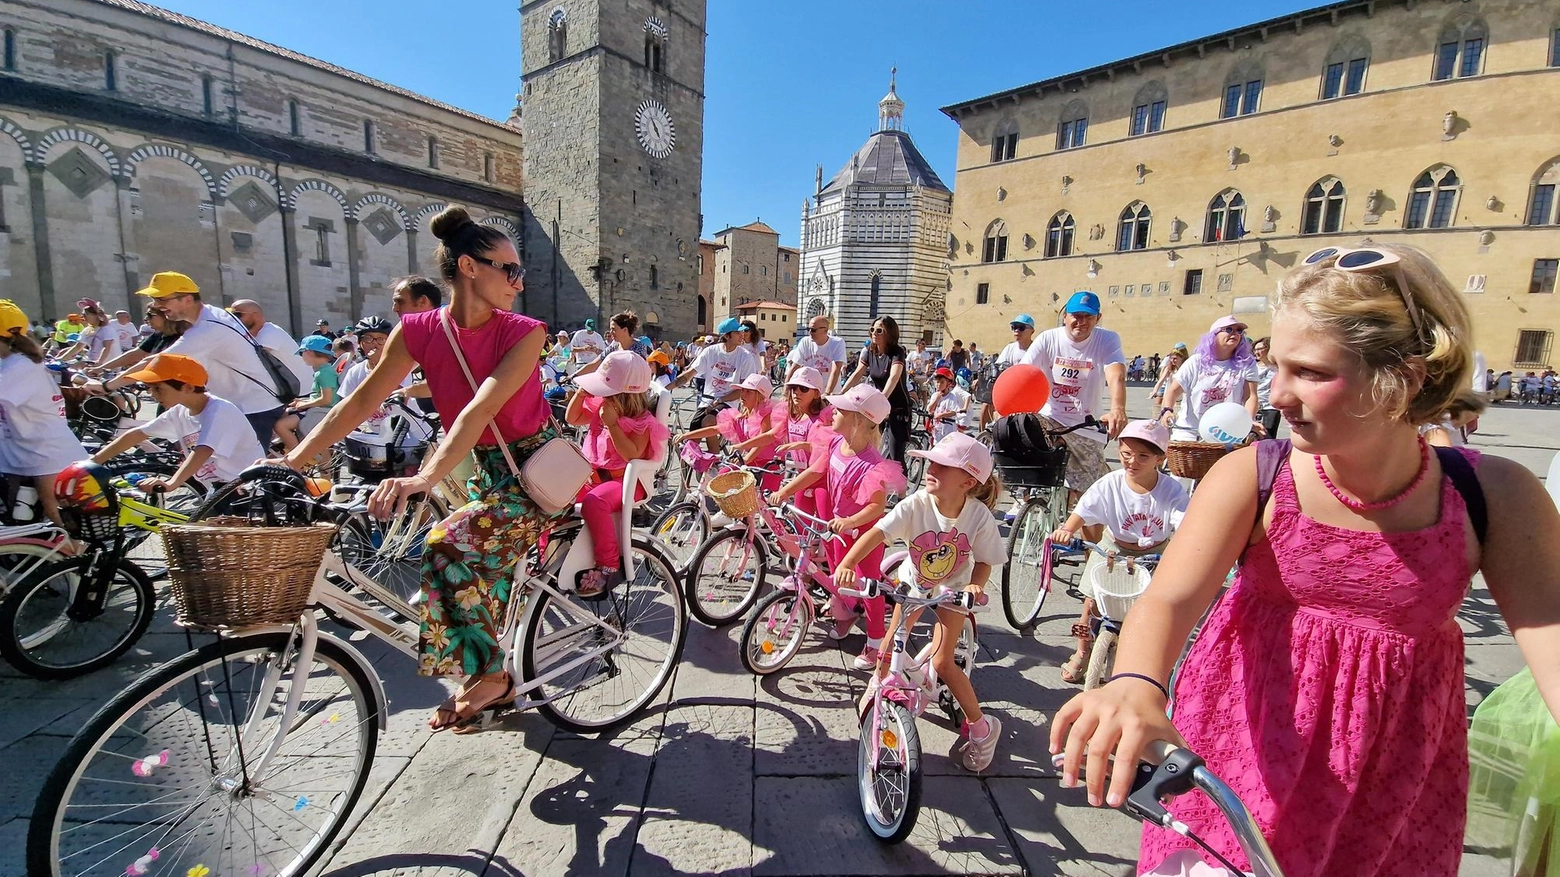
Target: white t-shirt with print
943,551
920,361
356,374
129,334
98,340
586,345
218,341
219,426
1134,520
956,400
722,371
34,437
1204,384
821,357
1077,373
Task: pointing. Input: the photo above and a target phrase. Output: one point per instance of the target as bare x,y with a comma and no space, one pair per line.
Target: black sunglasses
1018,327
514,270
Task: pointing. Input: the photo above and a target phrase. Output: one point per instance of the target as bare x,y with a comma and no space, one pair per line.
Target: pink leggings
598,502
871,567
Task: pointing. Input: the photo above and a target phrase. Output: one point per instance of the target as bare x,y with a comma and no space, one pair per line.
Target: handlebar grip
869,589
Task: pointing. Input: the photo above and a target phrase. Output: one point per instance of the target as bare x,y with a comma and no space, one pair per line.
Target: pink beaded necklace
1389,502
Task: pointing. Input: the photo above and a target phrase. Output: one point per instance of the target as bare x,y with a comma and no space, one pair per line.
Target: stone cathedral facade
875,238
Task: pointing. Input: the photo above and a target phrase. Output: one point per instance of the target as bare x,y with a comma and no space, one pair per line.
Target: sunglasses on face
879,330
1365,260
1018,327
1237,331
513,270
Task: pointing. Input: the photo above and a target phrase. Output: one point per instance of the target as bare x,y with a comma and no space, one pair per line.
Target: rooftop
756,225
888,158
769,305
260,45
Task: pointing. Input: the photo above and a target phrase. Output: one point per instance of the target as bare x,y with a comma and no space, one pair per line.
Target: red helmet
87,488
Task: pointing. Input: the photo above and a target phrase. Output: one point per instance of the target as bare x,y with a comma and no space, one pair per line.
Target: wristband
1149,679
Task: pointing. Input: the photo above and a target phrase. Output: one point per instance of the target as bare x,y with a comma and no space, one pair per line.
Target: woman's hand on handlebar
1118,719
389,498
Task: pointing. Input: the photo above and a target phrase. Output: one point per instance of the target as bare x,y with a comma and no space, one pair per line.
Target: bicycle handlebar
1088,421
1078,545
965,601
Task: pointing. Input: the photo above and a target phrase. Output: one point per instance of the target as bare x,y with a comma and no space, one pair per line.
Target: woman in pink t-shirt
471,555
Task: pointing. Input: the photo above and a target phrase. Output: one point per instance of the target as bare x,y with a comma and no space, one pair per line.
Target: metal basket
736,493
227,573
373,460
1117,586
100,528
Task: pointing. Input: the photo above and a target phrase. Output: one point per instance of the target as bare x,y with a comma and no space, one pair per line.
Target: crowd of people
1326,686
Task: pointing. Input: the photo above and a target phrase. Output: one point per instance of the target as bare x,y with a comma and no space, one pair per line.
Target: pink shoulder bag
555,473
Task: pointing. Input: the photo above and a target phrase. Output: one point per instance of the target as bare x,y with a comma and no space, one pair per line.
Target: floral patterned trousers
469,566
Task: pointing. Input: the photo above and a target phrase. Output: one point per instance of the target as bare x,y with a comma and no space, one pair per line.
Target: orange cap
170,367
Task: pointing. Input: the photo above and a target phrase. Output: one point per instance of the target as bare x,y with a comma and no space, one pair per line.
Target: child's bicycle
1117,581
686,523
774,633
888,756
729,568
1167,772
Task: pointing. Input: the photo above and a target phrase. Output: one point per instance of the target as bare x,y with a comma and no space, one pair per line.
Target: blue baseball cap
1024,319
1083,303
316,343
730,324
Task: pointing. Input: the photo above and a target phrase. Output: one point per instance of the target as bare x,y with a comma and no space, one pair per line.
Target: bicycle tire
681,529
43,591
782,617
915,467
655,583
1024,584
903,804
395,569
717,592
19,558
1102,659
272,502
115,728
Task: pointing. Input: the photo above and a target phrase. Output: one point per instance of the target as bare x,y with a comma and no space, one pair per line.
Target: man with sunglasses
1081,360
820,350
1023,329
220,343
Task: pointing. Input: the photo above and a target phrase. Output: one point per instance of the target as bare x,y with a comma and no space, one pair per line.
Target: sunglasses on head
513,270
1368,259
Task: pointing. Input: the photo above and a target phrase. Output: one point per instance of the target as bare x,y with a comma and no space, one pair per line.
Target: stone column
290,254
354,290
411,251
40,231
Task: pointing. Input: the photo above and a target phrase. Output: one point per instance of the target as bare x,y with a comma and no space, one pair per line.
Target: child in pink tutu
795,424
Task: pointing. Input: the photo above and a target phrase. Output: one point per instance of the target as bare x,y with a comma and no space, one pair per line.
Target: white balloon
1227,423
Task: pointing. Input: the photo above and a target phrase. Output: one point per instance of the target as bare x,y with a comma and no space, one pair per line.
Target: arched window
1433,202
1346,66
704,312
1226,217
1004,141
816,308
996,242
1324,207
1541,204
1460,50
655,278
1072,129
656,37
1242,90
877,291
557,35
1148,109
1059,236
1132,233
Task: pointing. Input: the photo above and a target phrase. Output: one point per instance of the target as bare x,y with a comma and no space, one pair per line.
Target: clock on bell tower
612,109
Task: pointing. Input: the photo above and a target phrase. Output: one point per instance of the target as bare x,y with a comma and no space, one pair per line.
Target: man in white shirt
125,329
1023,328
1081,360
587,344
273,338
819,350
723,367
221,344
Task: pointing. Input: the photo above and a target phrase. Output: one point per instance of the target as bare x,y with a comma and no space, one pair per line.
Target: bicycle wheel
41,635
17,559
915,467
390,553
265,500
596,676
774,633
177,764
1024,582
726,576
888,771
1102,659
145,547
680,530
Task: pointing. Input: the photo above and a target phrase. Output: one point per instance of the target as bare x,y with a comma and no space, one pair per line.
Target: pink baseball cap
864,399
961,452
806,376
1230,320
759,383
622,371
1151,431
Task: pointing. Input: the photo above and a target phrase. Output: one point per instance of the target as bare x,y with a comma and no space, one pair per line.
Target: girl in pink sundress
857,481
1327,686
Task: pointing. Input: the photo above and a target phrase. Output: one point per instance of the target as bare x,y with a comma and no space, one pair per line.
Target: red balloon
1021,389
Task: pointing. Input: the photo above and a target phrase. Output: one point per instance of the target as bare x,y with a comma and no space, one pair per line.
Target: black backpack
1024,454
287,386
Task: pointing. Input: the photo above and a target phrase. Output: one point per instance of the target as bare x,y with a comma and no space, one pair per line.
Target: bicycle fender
369,671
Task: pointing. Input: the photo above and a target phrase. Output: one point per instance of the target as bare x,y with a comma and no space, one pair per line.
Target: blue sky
789,83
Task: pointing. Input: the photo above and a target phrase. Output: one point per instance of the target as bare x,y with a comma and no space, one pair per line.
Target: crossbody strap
460,357
258,358
1457,468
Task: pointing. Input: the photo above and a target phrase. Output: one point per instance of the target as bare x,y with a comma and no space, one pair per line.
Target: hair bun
450,222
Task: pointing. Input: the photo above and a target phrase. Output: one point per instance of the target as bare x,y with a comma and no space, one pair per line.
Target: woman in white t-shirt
35,440
1223,368
1132,511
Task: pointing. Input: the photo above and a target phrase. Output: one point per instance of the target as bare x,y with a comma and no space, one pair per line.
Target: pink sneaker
975,755
844,618
868,658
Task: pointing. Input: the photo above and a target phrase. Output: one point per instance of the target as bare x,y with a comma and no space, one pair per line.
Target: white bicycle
246,756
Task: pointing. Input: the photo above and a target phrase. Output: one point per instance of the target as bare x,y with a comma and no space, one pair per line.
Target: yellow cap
166,283
170,367
11,317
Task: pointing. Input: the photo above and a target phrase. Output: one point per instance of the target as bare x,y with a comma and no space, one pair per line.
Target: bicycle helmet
372,324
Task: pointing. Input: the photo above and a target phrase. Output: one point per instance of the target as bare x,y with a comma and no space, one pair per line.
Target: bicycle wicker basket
228,573
1194,459
736,493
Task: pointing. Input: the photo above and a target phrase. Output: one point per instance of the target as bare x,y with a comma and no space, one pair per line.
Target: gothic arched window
1059,236
1226,217
1541,203
877,292
1344,73
1433,201
1072,130
1133,231
996,242
557,35
1323,207
1242,90
656,37
1004,141
1460,50
1148,109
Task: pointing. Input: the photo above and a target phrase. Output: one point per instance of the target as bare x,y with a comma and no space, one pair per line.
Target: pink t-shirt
522,414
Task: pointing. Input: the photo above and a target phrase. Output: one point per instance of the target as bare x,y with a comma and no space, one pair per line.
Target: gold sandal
1076,668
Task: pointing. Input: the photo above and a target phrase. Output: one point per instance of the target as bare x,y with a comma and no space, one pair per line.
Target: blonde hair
1365,312
633,404
987,492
